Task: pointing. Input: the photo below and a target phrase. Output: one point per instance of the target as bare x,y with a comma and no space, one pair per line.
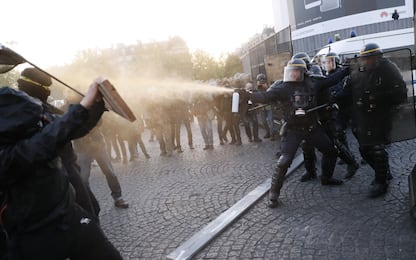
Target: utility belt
308,127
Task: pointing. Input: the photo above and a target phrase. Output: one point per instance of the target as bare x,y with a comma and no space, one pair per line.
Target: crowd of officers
47,208
321,100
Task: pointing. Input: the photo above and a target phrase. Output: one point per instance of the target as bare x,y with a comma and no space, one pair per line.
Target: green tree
204,66
156,59
232,65
10,78
177,59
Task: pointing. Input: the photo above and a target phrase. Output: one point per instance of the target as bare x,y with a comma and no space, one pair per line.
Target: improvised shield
383,98
114,102
9,59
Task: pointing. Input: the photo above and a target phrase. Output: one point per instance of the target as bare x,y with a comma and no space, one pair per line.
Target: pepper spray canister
236,100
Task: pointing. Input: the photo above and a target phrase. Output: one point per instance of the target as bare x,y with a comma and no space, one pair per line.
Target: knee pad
379,150
381,158
284,161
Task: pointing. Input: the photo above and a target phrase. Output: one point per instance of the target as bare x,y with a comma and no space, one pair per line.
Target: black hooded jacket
32,179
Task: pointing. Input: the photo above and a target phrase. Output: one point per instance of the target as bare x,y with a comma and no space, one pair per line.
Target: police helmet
334,56
316,71
303,56
294,71
331,61
371,49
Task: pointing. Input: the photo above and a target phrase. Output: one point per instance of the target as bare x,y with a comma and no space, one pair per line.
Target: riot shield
383,99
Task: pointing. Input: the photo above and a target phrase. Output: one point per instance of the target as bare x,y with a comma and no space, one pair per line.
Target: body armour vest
301,98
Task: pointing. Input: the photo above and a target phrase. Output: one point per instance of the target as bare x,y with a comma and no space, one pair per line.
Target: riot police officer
298,95
327,116
309,156
377,87
337,122
305,57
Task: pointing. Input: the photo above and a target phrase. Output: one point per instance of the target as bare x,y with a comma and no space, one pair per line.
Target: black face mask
300,101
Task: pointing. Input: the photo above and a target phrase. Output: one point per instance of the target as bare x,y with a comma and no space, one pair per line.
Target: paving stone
172,198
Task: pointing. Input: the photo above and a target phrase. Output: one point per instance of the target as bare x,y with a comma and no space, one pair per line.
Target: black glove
244,95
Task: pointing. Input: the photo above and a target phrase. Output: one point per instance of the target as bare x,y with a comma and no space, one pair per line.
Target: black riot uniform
377,87
309,156
338,115
343,115
328,116
298,95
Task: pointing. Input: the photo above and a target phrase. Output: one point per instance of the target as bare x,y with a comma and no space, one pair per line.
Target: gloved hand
244,95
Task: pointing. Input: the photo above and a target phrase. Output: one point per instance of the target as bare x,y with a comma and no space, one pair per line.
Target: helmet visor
293,74
329,63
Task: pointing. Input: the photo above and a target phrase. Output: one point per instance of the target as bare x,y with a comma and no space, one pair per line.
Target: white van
403,38
398,39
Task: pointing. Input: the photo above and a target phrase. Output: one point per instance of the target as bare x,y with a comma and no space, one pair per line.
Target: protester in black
37,84
39,212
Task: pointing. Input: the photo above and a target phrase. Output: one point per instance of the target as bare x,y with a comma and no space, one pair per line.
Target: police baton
257,107
318,107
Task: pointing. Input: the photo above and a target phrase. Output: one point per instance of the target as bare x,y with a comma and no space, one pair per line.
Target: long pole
55,78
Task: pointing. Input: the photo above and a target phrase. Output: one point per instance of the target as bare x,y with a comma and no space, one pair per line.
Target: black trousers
75,236
378,158
317,138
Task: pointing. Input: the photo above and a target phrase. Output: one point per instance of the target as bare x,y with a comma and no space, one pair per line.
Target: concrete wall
275,65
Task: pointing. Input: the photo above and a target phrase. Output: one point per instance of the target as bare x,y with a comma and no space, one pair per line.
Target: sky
50,32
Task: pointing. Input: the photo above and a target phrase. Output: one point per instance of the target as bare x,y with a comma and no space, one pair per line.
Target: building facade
308,25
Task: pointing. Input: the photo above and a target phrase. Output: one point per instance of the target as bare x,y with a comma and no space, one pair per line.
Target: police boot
328,165
327,179
382,172
277,183
309,158
330,181
308,175
378,188
351,170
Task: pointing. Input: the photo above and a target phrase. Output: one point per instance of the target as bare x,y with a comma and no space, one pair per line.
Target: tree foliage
9,79
232,66
166,59
204,66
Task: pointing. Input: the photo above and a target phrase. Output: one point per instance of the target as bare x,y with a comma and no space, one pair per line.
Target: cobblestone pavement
172,198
